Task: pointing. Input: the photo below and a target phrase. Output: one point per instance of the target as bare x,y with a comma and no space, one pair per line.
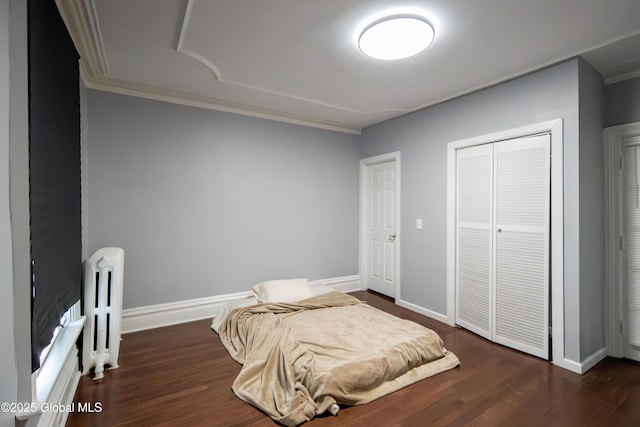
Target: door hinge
621,162
622,243
621,328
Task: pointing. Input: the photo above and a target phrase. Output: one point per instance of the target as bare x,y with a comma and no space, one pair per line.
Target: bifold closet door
522,210
474,223
502,242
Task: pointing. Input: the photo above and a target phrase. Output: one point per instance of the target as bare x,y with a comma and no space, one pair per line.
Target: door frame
364,203
614,257
555,129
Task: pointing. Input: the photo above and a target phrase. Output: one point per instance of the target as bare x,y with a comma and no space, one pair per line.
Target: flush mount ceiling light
396,37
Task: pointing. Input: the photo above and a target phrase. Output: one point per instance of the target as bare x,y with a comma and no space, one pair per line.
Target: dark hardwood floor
181,376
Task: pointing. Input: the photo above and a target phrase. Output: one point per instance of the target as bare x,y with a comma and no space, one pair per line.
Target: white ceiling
298,60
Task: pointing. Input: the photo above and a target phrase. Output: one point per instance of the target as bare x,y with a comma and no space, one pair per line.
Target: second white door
631,207
381,228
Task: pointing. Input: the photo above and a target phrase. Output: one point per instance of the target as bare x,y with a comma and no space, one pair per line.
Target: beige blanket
299,359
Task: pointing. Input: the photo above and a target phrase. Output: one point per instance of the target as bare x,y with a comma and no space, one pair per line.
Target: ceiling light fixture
396,37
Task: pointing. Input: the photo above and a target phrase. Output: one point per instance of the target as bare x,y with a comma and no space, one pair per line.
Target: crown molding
627,72
81,20
107,84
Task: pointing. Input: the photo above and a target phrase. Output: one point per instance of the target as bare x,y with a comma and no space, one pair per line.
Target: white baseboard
173,313
593,360
589,362
424,311
155,316
342,284
569,364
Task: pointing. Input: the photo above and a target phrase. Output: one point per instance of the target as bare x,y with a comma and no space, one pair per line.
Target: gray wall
19,187
622,102
422,138
592,244
207,203
8,368
15,385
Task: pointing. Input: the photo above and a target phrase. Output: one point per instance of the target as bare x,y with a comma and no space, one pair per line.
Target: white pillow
291,290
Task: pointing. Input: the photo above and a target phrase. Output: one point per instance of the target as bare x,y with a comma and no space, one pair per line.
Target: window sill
47,377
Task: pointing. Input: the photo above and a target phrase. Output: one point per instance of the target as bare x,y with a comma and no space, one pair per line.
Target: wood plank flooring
181,376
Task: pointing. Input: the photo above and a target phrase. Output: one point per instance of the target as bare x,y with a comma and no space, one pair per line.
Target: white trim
179,45
554,127
48,376
589,362
159,315
56,381
613,259
630,71
421,310
180,48
364,183
62,395
570,365
613,137
341,284
594,359
193,100
81,19
173,313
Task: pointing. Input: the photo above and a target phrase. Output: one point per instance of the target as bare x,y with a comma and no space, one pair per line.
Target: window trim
61,353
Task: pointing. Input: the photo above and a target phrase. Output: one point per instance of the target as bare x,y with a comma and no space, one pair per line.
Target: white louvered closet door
502,242
631,292
474,239
522,210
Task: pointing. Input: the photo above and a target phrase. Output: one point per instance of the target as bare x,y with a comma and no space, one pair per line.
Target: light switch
419,224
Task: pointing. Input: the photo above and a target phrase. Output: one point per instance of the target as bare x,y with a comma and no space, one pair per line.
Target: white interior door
474,219
381,228
631,221
522,226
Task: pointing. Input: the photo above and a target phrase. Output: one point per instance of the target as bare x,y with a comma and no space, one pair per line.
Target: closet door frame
554,129
614,255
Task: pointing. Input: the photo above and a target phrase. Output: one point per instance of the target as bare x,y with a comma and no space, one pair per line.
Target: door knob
392,237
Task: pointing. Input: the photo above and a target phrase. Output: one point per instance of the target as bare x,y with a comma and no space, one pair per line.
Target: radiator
104,272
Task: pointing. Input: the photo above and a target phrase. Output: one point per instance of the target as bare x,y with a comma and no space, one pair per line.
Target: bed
305,355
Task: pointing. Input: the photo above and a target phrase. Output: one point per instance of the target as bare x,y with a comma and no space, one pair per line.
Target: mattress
303,359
